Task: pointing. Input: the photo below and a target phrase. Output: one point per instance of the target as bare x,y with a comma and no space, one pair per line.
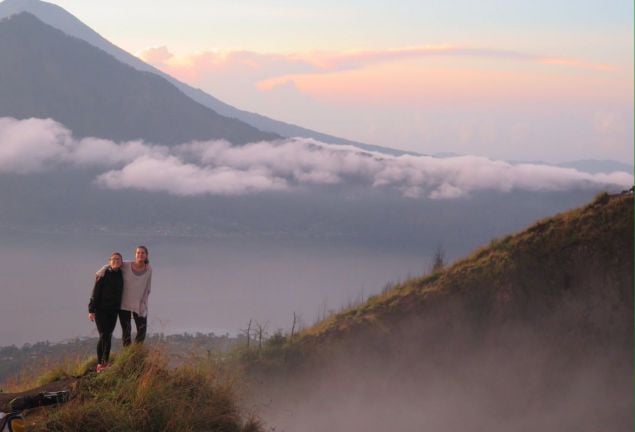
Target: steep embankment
584,256
533,332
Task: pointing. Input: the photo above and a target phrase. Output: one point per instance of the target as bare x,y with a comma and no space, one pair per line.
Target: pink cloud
419,75
576,63
239,64
157,56
263,66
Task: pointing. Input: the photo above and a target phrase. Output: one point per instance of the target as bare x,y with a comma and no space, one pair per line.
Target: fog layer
532,333
218,168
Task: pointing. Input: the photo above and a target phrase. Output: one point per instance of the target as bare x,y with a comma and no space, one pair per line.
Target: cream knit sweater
136,288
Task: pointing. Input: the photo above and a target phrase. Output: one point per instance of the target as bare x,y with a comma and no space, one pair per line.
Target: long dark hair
147,261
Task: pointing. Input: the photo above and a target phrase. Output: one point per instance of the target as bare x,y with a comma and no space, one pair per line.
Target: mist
446,370
218,168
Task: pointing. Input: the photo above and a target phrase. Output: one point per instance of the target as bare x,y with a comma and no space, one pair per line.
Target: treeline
31,359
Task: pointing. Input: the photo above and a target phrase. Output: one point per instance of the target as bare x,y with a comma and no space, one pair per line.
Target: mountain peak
21,4
36,7
55,16
50,74
59,18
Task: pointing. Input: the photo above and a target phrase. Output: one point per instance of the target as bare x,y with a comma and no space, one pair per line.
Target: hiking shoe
100,367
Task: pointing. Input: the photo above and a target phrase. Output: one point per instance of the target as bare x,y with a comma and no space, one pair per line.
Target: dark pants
126,327
106,321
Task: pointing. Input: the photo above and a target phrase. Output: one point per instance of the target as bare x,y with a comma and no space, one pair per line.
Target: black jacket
107,291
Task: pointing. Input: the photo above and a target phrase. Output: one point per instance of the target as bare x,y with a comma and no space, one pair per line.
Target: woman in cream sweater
137,283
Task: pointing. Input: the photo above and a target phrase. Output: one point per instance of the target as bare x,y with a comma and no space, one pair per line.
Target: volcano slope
533,332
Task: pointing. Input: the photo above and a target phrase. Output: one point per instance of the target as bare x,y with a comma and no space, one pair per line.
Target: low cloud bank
218,168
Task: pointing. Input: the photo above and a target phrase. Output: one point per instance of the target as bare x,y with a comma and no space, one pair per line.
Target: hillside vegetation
140,392
20,366
586,252
532,332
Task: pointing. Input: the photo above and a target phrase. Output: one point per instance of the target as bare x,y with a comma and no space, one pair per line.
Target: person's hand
91,316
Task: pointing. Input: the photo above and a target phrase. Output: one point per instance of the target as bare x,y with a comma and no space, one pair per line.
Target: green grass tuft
139,392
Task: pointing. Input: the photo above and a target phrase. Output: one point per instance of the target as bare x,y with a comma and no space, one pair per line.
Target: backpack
38,400
14,421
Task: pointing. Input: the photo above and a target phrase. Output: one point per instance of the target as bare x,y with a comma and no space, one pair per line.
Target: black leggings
106,321
141,323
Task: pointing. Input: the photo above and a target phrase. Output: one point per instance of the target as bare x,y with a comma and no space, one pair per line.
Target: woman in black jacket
104,307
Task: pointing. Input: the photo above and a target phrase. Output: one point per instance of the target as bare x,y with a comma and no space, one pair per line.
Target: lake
207,285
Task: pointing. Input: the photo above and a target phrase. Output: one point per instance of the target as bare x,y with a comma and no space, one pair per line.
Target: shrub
601,198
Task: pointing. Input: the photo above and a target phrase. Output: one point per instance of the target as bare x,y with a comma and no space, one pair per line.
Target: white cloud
101,152
27,146
34,145
170,174
218,168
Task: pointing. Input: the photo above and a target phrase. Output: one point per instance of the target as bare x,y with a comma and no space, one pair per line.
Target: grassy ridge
139,392
20,368
552,253
585,254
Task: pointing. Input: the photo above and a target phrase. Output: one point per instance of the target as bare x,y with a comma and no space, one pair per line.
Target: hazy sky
539,80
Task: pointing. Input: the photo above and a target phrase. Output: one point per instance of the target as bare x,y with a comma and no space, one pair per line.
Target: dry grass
599,225
49,372
139,392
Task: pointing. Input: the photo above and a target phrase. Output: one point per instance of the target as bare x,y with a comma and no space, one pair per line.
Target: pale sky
544,80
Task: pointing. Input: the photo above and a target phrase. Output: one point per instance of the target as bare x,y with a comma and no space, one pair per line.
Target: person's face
140,255
115,262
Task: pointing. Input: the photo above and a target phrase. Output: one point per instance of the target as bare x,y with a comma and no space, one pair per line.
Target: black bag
38,400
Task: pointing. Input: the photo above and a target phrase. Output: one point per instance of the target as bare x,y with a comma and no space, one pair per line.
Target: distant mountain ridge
591,166
48,74
594,166
57,17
